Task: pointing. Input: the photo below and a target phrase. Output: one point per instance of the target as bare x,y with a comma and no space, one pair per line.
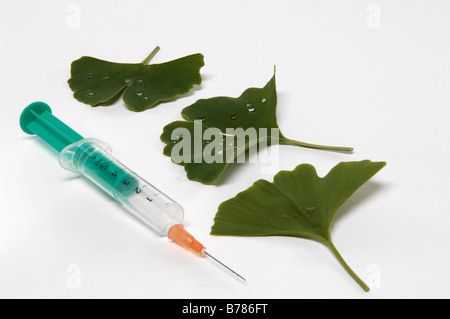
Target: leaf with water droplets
252,112
298,203
98,82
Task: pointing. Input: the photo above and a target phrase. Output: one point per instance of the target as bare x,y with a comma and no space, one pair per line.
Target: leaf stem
346,267
285,141
151,55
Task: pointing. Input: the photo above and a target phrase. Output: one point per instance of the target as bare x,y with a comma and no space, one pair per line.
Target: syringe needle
179,235
223,265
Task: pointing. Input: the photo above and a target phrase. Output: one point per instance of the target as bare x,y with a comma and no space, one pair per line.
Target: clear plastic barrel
92,158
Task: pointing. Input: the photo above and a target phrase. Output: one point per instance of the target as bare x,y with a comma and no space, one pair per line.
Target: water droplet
106,77
207,141
220,151
250,107
127,81
263,99
310,209
139,80
202,118
233,116
90,76
138,93
145,98
90,93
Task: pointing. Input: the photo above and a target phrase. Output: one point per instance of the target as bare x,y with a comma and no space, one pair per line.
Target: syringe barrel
92,158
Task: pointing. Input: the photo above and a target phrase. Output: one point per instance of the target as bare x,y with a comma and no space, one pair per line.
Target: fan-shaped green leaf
253,111
298,203
97,82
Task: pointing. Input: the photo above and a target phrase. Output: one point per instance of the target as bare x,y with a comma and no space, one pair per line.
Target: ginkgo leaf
98,82
298,203
254,110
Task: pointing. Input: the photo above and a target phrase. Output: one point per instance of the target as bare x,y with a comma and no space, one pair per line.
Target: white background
374,75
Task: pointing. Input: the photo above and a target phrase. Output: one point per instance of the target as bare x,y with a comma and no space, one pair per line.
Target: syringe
92,158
